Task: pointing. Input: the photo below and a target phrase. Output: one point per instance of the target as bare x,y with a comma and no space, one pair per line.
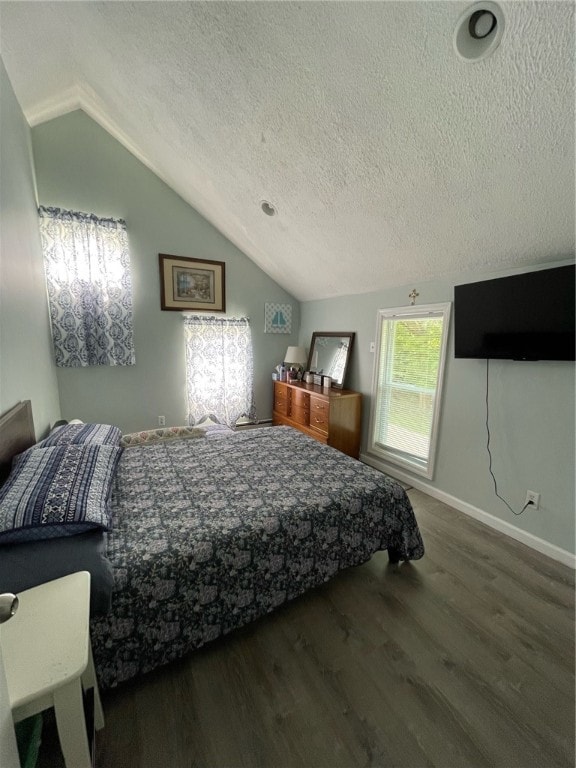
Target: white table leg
89,680
8,747
71,724
98,713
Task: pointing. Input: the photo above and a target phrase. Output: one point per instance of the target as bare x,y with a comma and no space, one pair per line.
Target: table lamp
295,359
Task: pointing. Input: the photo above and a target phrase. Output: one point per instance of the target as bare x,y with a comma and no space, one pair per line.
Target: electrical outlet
161,421
532,496
372,346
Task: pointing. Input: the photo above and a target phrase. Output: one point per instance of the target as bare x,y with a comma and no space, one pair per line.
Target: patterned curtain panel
87,267
219,369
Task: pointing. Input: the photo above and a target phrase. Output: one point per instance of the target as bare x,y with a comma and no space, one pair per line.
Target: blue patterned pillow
82,434
57,491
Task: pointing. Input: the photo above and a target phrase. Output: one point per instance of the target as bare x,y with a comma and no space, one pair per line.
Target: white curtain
219,369
87,267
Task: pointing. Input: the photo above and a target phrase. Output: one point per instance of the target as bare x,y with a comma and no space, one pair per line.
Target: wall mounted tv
520,317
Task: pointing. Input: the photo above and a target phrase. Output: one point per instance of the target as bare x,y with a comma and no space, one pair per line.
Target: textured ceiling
389,158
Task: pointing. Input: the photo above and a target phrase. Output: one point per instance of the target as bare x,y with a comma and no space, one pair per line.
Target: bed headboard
16,435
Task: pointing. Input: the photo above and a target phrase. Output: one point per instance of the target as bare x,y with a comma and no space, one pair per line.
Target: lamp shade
295,356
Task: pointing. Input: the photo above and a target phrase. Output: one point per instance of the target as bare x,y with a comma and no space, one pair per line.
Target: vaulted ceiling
387,156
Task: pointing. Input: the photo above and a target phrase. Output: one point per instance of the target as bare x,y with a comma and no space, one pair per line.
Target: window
87,266
408,372
219,369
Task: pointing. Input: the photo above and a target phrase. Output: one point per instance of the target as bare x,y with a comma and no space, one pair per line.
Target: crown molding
79,97
65,102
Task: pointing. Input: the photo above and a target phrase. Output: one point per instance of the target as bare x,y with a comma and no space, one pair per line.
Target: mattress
209,535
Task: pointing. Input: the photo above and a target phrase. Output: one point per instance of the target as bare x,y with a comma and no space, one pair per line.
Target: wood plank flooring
464,658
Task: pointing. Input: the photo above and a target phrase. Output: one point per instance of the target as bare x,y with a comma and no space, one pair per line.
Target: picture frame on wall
192,284
277,317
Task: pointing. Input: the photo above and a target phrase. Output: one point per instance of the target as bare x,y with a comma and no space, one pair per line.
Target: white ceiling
388,157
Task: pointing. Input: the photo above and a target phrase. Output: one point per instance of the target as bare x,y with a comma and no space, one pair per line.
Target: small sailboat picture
278,319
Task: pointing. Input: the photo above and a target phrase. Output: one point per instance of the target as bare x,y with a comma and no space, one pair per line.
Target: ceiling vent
479,31
268,208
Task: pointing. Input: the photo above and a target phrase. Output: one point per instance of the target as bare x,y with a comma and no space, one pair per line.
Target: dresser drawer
299,397
319,414
300,414
281,400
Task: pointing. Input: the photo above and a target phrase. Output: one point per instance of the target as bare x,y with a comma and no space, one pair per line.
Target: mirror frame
321,334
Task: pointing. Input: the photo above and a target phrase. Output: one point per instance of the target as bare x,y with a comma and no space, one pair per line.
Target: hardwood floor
464,658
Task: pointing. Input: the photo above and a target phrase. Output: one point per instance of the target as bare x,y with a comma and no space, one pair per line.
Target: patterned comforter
212,534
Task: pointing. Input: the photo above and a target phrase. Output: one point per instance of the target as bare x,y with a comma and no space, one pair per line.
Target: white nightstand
48,661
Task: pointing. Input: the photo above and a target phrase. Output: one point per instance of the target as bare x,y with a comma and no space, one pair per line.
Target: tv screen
520,317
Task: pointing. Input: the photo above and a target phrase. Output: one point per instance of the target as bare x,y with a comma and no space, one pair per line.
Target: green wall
27,371
531,417
80,166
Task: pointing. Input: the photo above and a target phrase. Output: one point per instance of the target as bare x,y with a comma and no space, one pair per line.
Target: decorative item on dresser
329,415
295,358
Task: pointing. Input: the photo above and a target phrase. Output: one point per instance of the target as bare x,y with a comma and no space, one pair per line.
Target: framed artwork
194,284
277,318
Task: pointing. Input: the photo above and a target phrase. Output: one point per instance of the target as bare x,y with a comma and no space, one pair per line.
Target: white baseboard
551,550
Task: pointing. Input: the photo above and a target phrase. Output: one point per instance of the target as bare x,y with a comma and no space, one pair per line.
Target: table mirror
329,355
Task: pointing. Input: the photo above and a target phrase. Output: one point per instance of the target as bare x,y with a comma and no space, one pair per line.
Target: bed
211,533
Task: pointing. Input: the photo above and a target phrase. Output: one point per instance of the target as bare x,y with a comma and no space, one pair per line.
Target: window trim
376,451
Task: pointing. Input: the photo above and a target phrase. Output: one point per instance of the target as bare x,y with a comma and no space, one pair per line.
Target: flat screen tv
520,317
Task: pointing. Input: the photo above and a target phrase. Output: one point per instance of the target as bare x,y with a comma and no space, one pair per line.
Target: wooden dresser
332,416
